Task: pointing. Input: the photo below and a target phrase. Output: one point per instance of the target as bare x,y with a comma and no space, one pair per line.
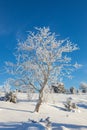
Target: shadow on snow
57,126
82,105
38,126
21,126
12,109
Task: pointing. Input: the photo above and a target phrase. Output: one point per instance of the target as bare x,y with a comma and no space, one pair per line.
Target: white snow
20,116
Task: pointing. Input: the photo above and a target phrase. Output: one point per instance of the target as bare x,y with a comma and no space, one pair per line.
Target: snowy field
21,116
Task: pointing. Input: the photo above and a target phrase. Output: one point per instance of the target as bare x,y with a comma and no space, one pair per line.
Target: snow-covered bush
11,97
44,122
69,105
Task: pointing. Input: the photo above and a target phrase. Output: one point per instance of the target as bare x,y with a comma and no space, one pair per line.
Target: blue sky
65,17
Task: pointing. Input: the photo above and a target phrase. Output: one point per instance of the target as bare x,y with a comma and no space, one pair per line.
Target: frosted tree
42,59
7,86
83,87
72,90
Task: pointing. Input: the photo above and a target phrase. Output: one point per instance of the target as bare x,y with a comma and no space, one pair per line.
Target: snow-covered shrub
11,97
46,123
69,105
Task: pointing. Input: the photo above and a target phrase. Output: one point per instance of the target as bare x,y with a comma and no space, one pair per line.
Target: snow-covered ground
21,116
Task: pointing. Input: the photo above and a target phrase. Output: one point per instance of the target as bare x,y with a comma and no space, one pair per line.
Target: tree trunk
38,105
40,100
40,97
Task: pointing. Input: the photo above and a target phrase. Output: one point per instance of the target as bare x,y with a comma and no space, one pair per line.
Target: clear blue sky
65,17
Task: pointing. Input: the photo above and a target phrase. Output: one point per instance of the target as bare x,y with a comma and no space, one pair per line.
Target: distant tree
77,91
7,86
72,90
41,59
83,87
58,88
11,97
